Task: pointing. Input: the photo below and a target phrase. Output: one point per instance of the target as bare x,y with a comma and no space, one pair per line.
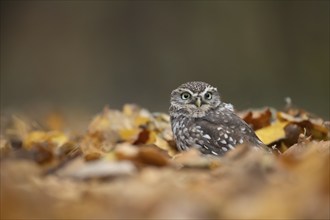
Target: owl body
200,120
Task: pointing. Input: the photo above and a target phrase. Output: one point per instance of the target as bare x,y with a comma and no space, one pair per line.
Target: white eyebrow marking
186,90
208,89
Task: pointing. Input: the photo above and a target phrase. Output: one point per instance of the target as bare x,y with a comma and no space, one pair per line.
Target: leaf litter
125,165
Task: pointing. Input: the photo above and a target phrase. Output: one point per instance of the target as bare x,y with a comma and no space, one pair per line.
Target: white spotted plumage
199,119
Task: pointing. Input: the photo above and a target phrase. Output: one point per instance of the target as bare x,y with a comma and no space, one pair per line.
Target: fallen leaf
55,138
143,137
92,156
258,119
272,133
152,155
126,151
192,158
99,169
129,135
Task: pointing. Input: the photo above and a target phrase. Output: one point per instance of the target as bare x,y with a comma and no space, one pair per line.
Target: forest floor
124,165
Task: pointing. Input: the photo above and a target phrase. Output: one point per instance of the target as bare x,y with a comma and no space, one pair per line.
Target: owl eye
208,96
185,95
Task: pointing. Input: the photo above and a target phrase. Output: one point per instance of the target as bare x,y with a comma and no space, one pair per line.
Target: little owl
199,119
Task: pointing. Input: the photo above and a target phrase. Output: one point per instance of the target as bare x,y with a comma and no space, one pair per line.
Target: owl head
194,99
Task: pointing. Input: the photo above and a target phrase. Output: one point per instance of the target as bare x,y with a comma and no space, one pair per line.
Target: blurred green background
86,54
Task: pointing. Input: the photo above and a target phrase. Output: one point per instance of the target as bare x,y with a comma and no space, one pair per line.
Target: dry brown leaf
300,149
143,137
152,155
92,156
258,119
310,126
98,169
126,151
193,159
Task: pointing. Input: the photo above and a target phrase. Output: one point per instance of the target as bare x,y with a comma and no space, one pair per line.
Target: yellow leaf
162,144
152,137
55,137
272,133
140,120
34,137
129,134
130,110
100,123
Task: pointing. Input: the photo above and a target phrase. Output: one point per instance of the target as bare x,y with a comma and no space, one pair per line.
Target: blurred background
87,54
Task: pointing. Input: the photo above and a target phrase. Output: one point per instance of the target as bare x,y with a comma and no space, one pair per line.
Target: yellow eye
208,96
185,95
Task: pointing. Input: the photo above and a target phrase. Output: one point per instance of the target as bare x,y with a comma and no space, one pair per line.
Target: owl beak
198,102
